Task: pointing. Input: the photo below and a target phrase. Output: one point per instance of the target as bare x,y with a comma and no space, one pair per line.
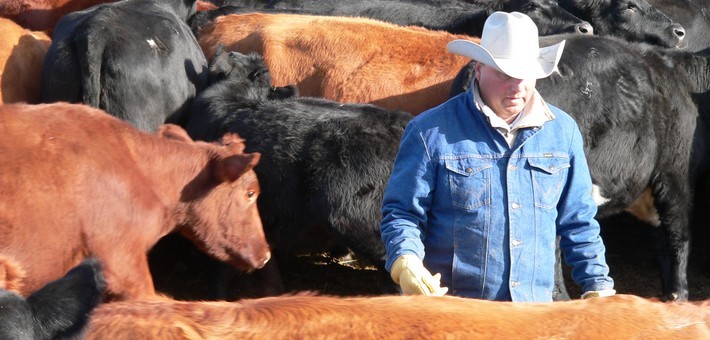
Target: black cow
59,310
637,107
324,164
694,15
631,20
136,59
454,16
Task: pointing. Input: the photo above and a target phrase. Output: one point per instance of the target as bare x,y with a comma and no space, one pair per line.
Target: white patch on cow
152,43
597,196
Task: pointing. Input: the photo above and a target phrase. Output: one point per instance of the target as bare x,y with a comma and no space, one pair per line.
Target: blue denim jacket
486,216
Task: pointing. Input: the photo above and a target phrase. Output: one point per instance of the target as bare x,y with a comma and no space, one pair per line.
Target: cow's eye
251,194
631,6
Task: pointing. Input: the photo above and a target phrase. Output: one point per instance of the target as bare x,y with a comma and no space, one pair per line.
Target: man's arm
580,241
406,201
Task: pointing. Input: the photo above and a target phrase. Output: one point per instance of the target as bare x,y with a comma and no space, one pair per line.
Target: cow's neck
170,166
697,69
700,71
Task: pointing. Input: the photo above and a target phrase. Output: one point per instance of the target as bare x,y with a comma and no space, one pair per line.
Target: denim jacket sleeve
407,198
580,241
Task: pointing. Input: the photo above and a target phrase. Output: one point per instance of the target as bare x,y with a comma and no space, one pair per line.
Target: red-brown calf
344,59
21,56
78,182
401,317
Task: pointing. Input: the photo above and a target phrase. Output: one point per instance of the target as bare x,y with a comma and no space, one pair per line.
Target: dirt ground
629,254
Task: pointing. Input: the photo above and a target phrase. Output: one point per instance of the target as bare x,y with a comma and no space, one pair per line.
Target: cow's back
21,55
344,59
146,69
401,317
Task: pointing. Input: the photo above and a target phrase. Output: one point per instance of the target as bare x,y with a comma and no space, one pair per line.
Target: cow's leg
672,200
127,276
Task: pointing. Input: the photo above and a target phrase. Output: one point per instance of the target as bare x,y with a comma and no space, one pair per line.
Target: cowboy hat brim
532,68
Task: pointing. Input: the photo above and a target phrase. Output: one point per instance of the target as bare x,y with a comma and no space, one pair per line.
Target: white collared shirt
534,114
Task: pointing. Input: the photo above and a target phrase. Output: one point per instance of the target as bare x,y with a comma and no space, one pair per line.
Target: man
484,183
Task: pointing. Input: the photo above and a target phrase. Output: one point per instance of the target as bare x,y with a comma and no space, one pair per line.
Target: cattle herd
231,137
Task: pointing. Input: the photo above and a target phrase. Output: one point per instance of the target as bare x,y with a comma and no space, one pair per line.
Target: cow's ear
172,131
221,64
233,142
62,307
229,169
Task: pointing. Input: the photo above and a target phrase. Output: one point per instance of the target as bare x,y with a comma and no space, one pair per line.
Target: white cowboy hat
510,44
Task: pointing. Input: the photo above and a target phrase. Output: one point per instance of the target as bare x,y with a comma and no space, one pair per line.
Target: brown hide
344,59
644,209
401,317
11,274
78,182
42,15
21,56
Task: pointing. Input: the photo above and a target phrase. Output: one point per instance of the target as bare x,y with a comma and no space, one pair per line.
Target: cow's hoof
672,297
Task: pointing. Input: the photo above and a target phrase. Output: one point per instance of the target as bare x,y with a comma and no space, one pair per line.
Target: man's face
506,96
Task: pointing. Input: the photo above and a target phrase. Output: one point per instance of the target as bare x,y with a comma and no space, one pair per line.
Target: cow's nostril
585,28
678,31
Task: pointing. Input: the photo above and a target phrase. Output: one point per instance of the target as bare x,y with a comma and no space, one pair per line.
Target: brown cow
43,15
344,59
401,317
77,182
21,56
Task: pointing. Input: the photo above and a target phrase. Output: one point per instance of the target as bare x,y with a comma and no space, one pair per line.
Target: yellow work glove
409,273
598,293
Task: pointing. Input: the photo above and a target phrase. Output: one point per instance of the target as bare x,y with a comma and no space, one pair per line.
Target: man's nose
518,85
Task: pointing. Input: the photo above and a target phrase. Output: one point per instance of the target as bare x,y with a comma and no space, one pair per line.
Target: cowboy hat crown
510,44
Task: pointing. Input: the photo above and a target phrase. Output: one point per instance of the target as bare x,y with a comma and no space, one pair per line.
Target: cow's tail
90,60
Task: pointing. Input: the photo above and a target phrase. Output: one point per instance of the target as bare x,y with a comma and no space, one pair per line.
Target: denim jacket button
469,170
512,168
514,284
515,205
516,243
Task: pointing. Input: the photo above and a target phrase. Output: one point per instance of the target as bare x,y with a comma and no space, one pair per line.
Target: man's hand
598,293
408,271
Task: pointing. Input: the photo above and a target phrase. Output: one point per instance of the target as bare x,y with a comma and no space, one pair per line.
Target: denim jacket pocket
548,175
469,182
